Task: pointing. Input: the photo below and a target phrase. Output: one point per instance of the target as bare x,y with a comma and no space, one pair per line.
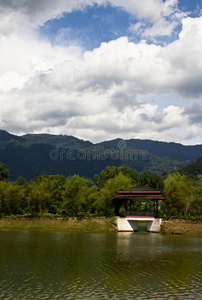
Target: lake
74,265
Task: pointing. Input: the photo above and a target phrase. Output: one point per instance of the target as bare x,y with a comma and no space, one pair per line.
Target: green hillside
193,169
37,154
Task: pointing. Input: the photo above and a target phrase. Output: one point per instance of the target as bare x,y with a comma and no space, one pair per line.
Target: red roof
140,192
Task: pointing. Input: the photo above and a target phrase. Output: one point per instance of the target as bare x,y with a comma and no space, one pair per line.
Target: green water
60,265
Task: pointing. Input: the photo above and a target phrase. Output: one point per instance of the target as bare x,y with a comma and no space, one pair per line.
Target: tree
39,195
112,172
193,169
57,187
12,198
178,192
21,181
96,179
104,200
77,195
196,205
45,194
4,173
151,179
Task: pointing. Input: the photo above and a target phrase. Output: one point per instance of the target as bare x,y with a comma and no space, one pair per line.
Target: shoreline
185,227
95,224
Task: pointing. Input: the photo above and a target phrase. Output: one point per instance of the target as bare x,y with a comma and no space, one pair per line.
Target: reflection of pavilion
141,204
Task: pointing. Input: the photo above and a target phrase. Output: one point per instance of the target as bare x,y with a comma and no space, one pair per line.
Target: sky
100,70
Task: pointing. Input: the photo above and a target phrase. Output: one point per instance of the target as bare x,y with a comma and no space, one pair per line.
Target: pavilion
143,195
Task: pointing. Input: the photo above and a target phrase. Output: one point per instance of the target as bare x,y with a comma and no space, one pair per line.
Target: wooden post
157,209
154,208
130,207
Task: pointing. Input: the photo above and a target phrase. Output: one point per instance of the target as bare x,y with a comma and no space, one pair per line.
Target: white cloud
24,56
28,14
147,9
192,133
185,58
11,80
162,27
173,116
156,17
104,93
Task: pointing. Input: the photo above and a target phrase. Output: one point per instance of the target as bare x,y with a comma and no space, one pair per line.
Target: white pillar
126,225
154,226
131,224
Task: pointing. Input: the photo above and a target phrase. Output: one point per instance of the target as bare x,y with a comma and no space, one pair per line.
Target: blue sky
96,24
101,70
192,6
90,27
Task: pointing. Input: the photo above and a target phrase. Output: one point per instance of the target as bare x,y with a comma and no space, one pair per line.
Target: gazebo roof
139,189
140,192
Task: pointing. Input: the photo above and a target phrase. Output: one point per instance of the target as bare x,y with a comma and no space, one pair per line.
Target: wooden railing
141,213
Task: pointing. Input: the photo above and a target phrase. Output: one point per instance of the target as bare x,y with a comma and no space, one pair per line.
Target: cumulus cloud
23,56
184,57
16,15
194,112
105,93
123,66
156,18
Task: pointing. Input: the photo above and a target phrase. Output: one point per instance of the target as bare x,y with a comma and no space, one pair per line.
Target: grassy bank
85,224
98,224
175,226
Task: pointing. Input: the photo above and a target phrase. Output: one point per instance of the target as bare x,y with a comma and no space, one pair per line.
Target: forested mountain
63,141
5,137
37,154
172,150
193,169
163,149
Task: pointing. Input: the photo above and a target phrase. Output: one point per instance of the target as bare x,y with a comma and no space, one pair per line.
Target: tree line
78,196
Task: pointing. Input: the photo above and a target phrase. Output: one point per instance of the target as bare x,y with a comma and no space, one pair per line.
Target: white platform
131,224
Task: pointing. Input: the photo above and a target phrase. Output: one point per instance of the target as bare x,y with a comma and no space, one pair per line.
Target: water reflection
58,265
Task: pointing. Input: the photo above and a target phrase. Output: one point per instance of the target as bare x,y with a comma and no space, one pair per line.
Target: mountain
63,141
5,137
36,154
172,150
193,168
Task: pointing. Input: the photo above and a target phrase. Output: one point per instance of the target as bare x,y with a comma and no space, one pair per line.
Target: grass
95,224
176,226
85,224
